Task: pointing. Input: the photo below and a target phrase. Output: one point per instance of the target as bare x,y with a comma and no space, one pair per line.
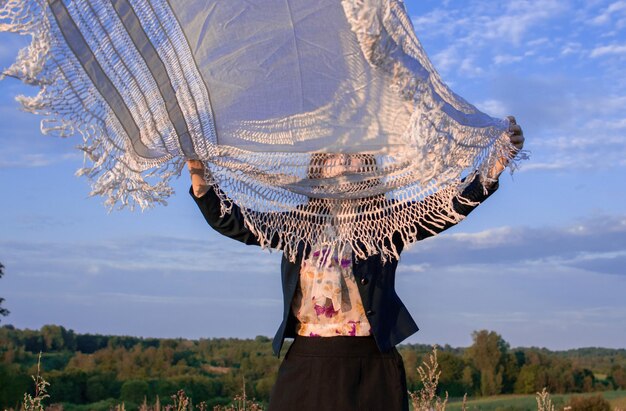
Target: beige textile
258,90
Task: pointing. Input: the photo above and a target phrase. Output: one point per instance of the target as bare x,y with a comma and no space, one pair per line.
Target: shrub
593,403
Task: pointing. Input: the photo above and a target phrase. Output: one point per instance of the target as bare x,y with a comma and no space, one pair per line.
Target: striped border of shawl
156,66
97,75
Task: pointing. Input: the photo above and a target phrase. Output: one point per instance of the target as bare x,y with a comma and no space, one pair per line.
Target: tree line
3,311
104,370
490,367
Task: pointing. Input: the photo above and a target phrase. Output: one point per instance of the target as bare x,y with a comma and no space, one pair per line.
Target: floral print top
327,302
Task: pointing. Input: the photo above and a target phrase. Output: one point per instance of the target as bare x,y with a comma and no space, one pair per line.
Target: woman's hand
197,172
516,136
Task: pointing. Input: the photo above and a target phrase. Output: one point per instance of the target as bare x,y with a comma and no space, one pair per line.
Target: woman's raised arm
231,224
478,190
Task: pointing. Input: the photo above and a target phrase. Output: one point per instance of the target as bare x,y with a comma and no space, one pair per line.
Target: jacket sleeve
230,224
437,220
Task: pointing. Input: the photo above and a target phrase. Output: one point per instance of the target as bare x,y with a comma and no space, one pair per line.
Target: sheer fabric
256,90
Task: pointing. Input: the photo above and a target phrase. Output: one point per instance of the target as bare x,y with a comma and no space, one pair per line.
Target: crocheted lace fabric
271,95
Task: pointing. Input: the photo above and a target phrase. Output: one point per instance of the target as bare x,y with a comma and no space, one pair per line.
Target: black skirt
340,374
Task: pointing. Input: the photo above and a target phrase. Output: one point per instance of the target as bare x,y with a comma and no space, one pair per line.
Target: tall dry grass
425,399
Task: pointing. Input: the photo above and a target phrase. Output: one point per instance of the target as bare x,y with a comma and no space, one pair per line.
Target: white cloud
416,268
538,42
470,68
597,245
186,300
488,238
505,317
506,59
581,142
571,48
519,18
535,303
477,25
494,108
437,18
36,160
612,50
589,315
605,17
561,164
615,124
447,59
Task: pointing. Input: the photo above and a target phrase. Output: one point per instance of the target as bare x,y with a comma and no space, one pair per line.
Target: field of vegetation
517,402
96,372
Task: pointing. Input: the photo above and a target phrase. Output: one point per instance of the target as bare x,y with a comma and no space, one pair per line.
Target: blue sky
542,262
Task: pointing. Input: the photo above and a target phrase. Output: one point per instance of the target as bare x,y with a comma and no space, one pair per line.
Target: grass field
618,403
528,402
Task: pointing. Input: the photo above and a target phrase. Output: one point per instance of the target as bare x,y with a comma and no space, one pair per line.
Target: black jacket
390,320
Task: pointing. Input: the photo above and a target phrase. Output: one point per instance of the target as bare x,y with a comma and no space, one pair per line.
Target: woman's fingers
512,120
517,140
515,129
516,136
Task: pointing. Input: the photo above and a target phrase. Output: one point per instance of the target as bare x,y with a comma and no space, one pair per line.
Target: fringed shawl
269,95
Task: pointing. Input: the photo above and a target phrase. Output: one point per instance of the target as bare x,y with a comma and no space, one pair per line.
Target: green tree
3,311
57,338
618,376
411,362
471,379
13,384
451,378
488,354
134,391
527,379
263,387
101,387
68,386
513,363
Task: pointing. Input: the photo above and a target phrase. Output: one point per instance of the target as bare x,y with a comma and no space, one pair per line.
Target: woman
343,313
